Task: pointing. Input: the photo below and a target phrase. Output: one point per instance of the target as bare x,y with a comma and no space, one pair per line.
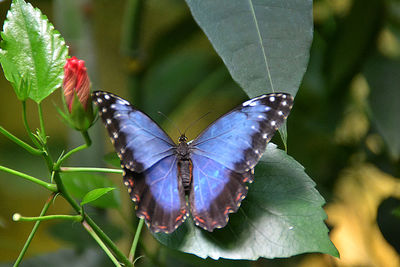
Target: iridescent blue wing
225,154
138,140
215,192
159,195
147,157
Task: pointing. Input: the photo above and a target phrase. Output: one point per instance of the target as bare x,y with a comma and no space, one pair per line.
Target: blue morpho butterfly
212,170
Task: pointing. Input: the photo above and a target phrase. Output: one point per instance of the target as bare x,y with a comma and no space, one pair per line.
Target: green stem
110,244
77,149
42,129
34,229
101,243
51,187
89,169
28,129
136,240
21,143
17,217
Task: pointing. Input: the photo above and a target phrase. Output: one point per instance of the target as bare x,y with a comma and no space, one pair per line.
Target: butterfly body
212,170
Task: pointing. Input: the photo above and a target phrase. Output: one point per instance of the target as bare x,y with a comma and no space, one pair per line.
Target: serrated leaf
79,184
281,216
95,194
262,42
32,50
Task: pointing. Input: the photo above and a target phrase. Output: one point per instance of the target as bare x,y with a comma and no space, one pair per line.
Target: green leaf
264,44
80,184
280,217
95,194
32,52
355,36
383,76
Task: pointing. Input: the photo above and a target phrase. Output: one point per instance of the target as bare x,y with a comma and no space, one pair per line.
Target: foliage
344,119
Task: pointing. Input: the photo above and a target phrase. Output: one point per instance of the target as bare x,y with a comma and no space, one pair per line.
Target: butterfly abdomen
185,173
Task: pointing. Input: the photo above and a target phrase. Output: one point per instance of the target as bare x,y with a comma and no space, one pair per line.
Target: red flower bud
76,81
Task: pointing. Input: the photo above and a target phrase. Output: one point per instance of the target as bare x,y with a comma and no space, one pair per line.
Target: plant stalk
48,186
21,143
136,240
34,229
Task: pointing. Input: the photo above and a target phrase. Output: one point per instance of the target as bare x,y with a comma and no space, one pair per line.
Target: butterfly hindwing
159,195
138,140
215,192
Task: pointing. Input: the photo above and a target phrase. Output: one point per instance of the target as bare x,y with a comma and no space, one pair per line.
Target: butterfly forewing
233,145
138,140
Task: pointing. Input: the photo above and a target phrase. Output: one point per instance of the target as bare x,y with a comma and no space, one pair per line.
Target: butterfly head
182,138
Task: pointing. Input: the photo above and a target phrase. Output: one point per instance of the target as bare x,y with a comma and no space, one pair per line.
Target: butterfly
212,170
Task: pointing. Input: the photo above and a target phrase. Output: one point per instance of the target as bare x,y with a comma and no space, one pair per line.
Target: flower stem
21,143
89,169
27,128
101,243
42,129
110,244
136,240
34,229
17,217
77,149
49,186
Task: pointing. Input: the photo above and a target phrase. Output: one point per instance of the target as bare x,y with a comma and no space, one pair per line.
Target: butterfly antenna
159,112
196,121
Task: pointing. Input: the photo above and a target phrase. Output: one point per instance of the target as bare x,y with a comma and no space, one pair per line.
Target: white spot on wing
280,113
115,134
265,136
122,102
273,123
284,103
104,110
245,104
99,100
267,108
108,121
272,98
106,97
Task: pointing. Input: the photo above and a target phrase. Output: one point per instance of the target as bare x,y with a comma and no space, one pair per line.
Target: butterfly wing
147,157
225,154
215,192
138,140
159,195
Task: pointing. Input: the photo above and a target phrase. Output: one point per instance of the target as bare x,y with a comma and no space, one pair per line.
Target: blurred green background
344,127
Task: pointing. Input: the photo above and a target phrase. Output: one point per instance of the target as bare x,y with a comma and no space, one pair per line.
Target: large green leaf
281,217
80,184
32,52
264,43
383,76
